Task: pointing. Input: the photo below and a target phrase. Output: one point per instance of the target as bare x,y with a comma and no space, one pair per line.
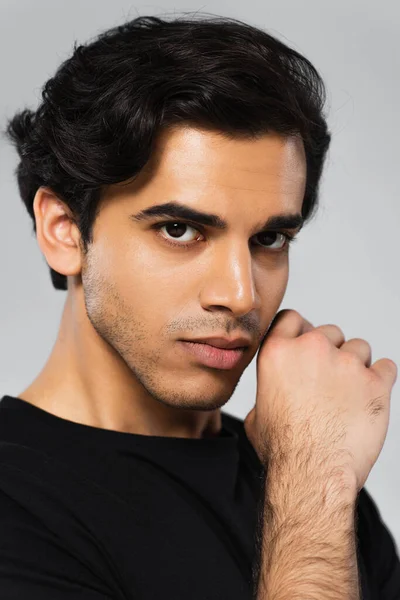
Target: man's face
144,289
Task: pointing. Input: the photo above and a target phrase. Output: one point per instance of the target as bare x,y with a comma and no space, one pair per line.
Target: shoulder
46,545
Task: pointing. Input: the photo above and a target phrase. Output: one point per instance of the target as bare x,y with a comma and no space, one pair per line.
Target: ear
57,234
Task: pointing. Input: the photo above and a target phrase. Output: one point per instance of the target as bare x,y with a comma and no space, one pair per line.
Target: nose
229,281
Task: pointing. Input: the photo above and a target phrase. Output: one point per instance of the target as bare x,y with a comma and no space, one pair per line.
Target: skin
116,363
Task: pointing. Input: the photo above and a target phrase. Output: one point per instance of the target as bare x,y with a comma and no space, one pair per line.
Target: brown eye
176,230
267,237
180,231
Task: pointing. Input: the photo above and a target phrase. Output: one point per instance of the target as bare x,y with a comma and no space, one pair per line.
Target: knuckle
335,328
291,311
351,359
392,364
293,314
362,342
318,338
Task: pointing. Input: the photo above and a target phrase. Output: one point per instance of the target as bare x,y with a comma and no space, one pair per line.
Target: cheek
152,281
271,287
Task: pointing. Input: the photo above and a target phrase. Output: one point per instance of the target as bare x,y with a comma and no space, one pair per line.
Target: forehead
206,168
189,152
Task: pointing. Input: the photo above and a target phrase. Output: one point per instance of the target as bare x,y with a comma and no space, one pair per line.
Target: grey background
343,268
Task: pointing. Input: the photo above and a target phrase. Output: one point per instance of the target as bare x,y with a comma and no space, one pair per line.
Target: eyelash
290,238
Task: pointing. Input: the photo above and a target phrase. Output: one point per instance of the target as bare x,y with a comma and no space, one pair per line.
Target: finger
359,347
387,371
333,333
288,323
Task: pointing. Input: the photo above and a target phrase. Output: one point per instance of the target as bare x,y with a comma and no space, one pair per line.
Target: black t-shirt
96,514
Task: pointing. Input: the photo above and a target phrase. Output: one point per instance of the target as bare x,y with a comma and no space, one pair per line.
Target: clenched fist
320,404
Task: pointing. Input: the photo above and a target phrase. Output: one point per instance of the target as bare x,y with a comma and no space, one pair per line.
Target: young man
166,171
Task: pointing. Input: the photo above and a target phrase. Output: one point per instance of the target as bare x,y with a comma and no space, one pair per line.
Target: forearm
307,545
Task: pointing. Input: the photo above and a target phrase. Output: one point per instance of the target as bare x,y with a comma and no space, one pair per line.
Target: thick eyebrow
180,211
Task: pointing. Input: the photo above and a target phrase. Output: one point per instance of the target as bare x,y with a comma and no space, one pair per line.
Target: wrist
340,487
311,491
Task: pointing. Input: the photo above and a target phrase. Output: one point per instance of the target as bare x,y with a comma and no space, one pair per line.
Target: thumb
387,370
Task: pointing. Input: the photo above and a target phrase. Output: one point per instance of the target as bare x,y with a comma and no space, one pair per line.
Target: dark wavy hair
101,112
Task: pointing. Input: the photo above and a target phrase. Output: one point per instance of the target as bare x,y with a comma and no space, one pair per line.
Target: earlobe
56,233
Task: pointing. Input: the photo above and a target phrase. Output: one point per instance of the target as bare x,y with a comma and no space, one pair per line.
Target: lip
211,356
222,342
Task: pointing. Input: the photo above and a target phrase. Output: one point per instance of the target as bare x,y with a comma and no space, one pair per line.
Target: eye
178,228
266,235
